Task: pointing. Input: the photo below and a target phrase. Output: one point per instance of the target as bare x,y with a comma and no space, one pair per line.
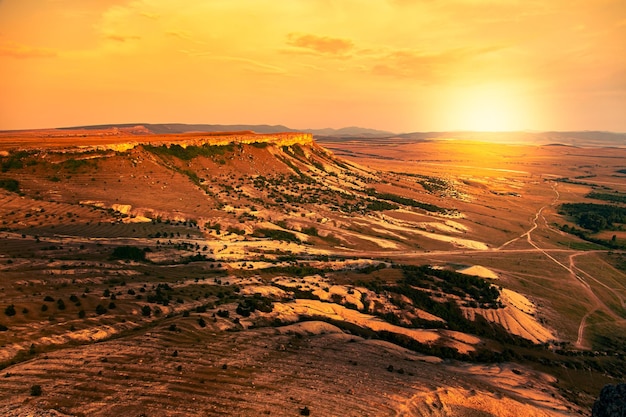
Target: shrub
10,310
100,309
35,390
146,311
10,185
131,253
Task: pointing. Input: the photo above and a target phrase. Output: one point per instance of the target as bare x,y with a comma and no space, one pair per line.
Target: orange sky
399,65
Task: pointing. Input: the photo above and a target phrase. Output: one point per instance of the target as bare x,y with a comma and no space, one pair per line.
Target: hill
253,271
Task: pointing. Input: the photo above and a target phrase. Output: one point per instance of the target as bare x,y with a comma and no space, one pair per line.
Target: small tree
146,311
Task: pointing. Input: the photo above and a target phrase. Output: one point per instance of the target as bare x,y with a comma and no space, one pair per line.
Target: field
198,274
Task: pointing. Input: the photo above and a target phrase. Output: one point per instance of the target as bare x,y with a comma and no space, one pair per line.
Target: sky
395,65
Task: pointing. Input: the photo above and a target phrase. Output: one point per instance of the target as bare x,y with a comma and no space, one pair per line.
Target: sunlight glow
489,109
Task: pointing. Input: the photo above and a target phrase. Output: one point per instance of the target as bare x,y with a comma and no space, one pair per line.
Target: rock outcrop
278,139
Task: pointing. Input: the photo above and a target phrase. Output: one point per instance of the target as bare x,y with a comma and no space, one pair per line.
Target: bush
146,311
131,253
100,309
10,310
10,185
35,390
276,234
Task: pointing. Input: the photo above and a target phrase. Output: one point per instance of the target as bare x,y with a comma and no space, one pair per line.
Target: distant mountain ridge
574,138
174,128
566,138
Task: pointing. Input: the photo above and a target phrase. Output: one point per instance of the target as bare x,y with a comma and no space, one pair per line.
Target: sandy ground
518,317
293,311
479,271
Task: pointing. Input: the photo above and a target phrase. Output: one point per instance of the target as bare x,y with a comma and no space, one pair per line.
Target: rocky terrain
245,274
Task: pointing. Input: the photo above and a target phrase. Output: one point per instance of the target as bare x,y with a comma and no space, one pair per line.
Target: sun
488,109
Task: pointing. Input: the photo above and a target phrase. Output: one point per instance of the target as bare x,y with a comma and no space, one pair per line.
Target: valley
234,273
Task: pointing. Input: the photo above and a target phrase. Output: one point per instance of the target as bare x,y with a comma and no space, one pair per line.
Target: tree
592,221
146,311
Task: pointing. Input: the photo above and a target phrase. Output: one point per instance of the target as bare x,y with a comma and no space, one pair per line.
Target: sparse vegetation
35,390
131,253
209,244
10,184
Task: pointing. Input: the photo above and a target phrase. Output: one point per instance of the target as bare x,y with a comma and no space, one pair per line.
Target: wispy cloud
16,50
250,64
122,38
320,44
153,16
427,67
184,35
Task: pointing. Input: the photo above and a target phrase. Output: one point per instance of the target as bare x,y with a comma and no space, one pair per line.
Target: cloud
184,35
427,67
250,64
148,15
320,44
16,50
122,38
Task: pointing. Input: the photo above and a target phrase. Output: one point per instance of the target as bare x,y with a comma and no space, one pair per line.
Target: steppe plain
243,274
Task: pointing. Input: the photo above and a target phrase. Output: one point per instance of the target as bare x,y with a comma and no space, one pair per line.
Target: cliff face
278,139
122,141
